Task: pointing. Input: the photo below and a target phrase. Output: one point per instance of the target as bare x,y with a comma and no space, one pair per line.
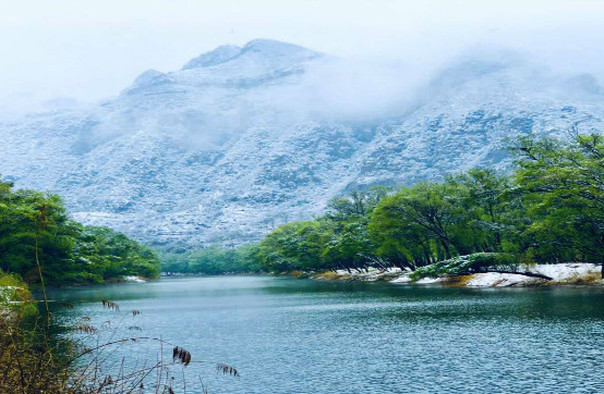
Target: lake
289,335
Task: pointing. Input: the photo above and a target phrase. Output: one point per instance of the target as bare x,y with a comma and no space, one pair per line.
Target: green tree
563,186
39,242
422,223
109,254
295,246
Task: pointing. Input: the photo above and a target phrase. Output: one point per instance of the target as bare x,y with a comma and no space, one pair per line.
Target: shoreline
562,274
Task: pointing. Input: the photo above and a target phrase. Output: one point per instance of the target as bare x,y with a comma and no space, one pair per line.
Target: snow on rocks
371,275
402,279
561,274
567,272
243,140
133,279
495,279
428,281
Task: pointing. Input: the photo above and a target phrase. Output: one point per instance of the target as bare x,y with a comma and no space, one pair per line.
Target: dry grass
457,280
591,278
87,329
330,275
110,305
28,366
181,355
387,277
227,370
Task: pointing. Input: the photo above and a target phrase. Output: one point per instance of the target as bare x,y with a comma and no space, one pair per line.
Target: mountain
243,139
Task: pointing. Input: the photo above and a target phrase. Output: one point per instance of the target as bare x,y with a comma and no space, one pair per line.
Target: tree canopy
551,209
32,222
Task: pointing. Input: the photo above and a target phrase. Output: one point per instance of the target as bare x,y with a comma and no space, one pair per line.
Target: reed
30,362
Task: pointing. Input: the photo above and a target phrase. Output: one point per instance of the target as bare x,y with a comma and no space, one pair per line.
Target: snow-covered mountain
241,140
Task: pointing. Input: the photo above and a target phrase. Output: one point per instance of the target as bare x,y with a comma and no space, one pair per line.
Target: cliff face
241,140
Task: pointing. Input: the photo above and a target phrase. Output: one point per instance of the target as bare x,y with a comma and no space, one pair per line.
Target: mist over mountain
243,139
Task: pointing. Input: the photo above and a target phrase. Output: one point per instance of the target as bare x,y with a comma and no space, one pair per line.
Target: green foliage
294,246
563,187
338,240
110,254
16,298
214,260
550,210
33,222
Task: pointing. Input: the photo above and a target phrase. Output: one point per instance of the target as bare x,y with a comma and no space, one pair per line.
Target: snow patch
494,279
567,271
133,279
428,281
560,274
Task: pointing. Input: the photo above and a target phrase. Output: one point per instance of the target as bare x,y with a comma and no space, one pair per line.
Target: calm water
300,336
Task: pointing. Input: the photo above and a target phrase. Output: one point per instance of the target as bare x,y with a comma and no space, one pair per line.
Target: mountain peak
263,46
219,55
273,46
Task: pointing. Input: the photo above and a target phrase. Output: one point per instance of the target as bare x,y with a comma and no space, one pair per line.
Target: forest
550,209
39,242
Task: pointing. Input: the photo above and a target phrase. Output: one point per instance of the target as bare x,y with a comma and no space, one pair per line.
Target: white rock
560,273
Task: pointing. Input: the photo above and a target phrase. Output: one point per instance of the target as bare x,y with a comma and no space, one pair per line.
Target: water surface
301,336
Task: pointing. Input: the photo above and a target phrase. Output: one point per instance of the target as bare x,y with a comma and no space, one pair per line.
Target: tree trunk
446,246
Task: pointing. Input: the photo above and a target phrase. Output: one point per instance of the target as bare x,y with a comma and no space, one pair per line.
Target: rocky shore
561,274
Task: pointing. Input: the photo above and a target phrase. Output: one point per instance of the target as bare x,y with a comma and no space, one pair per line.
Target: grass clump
590,278
27,364
330,275
457,280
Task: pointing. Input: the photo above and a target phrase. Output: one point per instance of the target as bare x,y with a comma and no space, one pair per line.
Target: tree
485,196
295,246
422,223
563,186
39,242
110,254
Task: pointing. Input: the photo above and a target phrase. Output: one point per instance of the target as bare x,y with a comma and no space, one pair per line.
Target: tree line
38,241
549,210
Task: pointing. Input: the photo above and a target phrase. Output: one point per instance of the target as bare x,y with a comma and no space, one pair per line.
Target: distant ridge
243,139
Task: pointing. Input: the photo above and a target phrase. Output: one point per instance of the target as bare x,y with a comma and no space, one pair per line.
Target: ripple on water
300,336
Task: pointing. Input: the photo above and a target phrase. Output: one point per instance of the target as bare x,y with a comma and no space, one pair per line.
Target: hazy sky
89,49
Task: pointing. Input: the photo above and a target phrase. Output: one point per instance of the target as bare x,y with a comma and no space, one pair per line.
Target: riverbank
560,274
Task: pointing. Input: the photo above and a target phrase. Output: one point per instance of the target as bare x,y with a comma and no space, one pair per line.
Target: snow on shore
133,279
565,273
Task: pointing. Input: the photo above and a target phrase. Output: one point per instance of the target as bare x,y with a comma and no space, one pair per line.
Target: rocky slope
241,140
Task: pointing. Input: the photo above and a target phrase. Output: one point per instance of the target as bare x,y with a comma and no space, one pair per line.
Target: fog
69,53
